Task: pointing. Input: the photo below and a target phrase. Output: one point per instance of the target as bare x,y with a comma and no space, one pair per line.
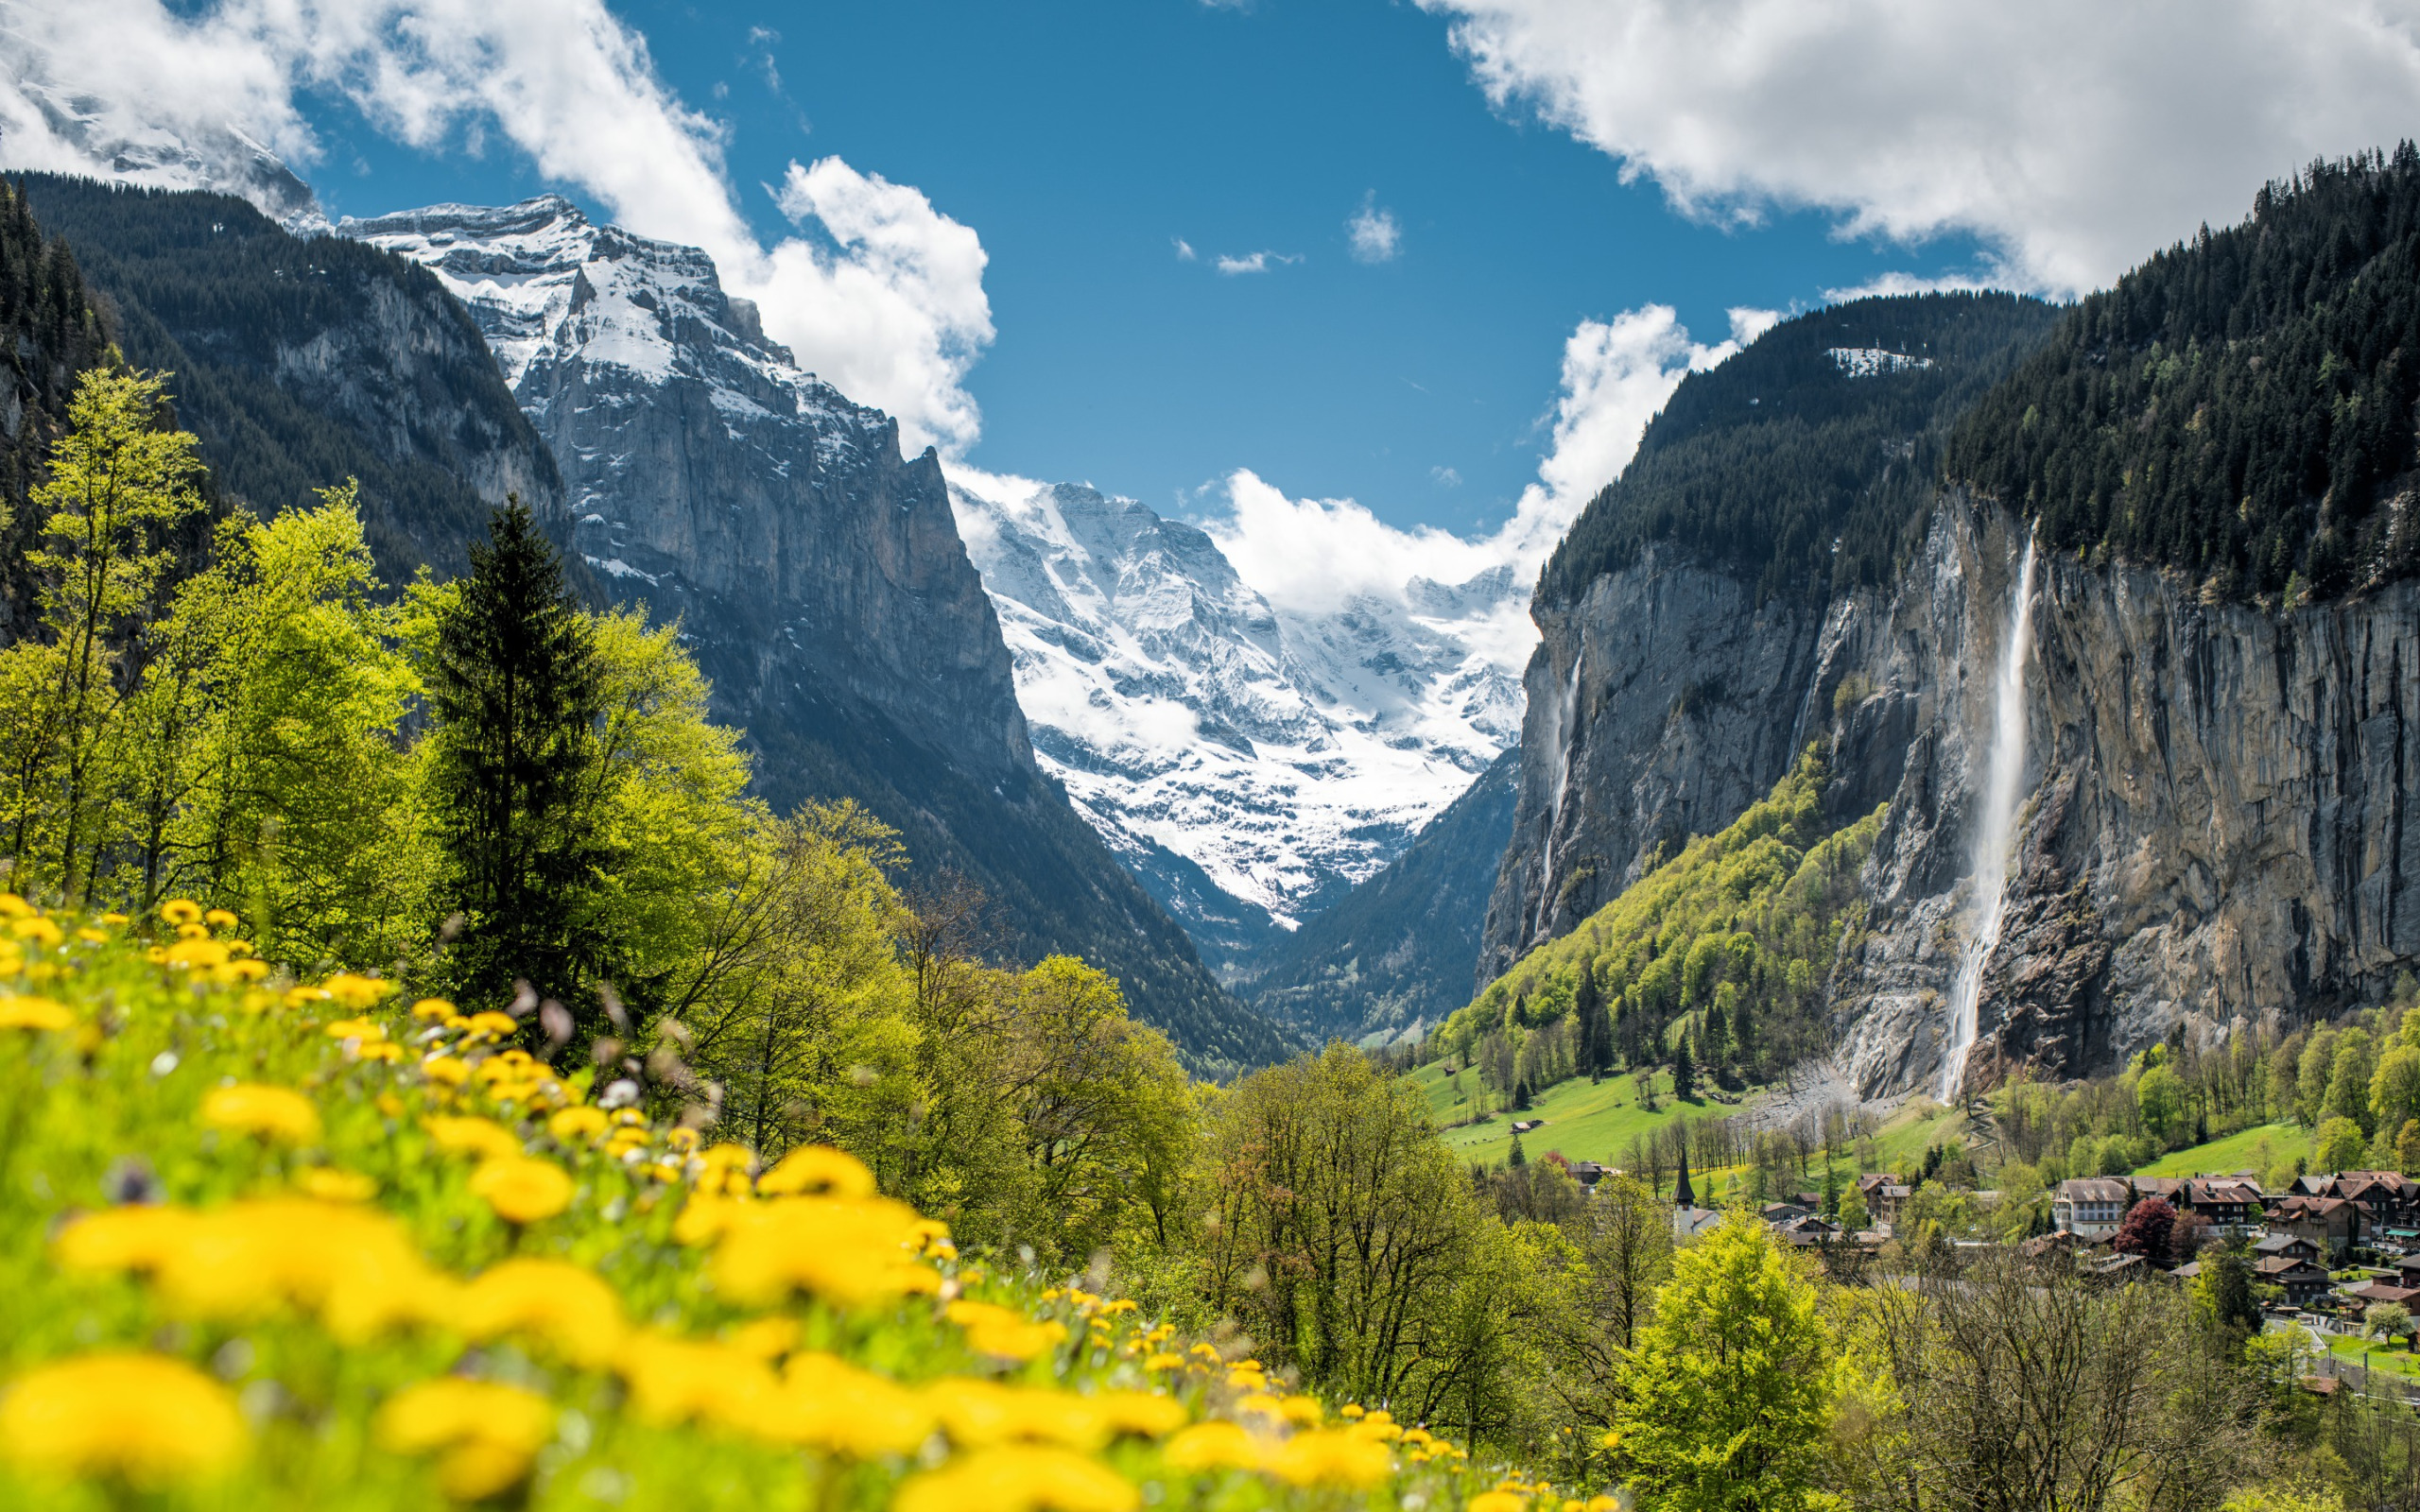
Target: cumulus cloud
1254,262
2073,137
129,88
1306,556
1374,232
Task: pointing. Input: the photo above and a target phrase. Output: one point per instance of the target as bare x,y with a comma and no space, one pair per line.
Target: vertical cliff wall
2213,829
818,574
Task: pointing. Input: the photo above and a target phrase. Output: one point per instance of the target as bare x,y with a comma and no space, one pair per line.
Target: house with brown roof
2293,1247
1885,1203
2301,1281
2334,1224
2231,1206
2385,1292
2091,1206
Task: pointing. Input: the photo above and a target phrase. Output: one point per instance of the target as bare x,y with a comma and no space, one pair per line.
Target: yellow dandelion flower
434,1010
270,1112
248,970
825,1403
1214,1446
329,1185
989,1412
1140,1413
180,911
767,1338
1613,1439
1497,1501
1163,1361
482,1137
489,1432
13,906
38,929
681,1141
818,1170
1306,1411
1331,1456
847,1252
34,1013
447,1070
1603,1503
490,1023
386,1052
1004,1332
92,937
358,992
1019,1479
575,1124
146,1418
569,1307
187,954
192,932
219,918
356,1028
677,1381
522,1190
304,997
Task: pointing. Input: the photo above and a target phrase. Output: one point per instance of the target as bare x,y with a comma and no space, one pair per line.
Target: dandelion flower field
270,1244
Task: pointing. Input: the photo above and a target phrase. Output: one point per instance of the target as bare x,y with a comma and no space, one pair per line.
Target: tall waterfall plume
1995,828
1566,719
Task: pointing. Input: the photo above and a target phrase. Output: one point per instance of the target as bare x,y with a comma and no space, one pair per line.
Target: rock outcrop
2214,831
818,573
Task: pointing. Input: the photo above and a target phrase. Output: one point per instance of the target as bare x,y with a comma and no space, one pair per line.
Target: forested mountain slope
301,362
818,573
1824,432
51,333
2211,682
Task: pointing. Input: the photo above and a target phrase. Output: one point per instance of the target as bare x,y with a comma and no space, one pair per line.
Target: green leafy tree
120,483
2395,1088
2338,1146
516,690
1727,1397
2159,1095
1853,1217
2349,1078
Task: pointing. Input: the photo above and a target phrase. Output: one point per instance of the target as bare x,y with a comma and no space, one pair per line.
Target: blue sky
1081,141
980,203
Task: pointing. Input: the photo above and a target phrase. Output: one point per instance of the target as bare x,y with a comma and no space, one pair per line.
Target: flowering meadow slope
270,1245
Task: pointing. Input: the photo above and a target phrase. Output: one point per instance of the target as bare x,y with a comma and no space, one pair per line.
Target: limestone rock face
818,576
2214,829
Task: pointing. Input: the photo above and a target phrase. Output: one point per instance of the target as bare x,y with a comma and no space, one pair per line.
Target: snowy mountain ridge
1248,763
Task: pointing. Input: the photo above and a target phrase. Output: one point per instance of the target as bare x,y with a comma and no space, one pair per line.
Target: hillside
2241,406
304,362
53,333
1805,464
1395,955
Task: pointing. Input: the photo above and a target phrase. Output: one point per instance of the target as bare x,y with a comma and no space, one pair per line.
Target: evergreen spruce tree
1588,1012
1521,1096
514,686
1520,1157
1685,1072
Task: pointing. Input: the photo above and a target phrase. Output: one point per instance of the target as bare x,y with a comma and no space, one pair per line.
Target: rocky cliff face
817,573
300,362
2214,821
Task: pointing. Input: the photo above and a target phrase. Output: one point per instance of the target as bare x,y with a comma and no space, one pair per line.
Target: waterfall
1995,828
1565,715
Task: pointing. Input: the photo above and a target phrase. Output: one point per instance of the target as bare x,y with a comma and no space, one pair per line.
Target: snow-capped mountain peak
1245,762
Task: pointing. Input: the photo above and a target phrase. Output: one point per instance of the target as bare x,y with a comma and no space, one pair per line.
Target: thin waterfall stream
1995,829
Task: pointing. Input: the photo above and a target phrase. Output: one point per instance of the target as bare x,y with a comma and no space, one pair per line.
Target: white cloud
2073,137
1376,235
1446,478
563,81
1185,252
1307,555
1255,262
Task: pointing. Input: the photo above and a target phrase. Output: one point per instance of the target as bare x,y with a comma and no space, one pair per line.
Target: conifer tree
1520,1157
1685,1072
514,685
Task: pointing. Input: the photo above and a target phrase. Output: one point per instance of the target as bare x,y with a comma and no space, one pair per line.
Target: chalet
1588,1172
2406,1270
2406,1296
2334,1224
2301,1281
1523,1126
1777,1213
1808,1228
2120,1268
2169,1189
2091,1206
2293,1247
1872,1181
2231,1206
1884,1204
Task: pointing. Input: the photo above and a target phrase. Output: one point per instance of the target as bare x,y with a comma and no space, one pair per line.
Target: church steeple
1681,1195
